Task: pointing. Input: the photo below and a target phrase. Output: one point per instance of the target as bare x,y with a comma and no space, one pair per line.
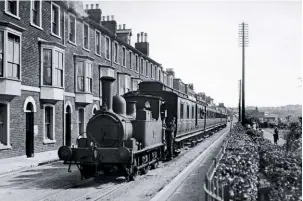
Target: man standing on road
276,135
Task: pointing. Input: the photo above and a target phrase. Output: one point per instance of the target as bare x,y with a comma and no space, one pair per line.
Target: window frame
6,31
69,29
98,32
88,42
59,20
40,15
146,69
116,53
7,126
46,140
142,66
53,48
85,62
78,120
123,56
109,48
130,53
17,16
137,64
151,70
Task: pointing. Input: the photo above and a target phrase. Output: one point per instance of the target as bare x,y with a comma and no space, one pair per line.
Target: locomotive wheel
88,171
145,169
154,165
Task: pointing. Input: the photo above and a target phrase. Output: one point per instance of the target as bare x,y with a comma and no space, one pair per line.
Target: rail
214,191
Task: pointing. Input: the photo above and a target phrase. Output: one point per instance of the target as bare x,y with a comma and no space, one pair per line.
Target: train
131,134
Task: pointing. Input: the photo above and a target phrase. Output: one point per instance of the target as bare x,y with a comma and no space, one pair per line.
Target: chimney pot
119,26
87,6
92,6
138,38
124,26
104,18
107,18
145,37
97,6
113,18
142,37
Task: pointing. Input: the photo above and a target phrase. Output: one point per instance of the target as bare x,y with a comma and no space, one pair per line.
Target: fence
213,190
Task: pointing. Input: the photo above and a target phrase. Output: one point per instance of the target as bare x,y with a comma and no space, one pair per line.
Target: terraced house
52,56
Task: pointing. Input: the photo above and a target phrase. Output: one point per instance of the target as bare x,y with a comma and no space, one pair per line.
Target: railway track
86,190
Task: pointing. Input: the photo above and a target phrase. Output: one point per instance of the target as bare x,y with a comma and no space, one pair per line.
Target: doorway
29,142
68,117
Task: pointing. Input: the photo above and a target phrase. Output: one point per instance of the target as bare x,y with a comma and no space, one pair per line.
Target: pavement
14,164
268,134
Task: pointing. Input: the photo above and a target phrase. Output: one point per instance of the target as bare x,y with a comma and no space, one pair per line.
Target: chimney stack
142,36
97,6
113,18
124,26
92,6
145,40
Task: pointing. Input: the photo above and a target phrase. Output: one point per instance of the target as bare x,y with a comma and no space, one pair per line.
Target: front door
29,134
67,129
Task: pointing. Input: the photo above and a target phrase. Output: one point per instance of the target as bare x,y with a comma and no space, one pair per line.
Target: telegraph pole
240,101
243,36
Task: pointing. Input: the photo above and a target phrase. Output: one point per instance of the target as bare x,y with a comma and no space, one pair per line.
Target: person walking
276,135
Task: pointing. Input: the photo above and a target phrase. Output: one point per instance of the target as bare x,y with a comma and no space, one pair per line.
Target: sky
199,40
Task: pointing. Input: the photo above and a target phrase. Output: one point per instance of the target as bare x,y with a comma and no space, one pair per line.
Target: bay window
10,51
84,76
52,66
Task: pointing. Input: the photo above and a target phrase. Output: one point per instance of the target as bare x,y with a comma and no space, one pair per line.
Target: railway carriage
127,135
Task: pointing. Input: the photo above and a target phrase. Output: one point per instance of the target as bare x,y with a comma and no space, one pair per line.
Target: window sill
12,15
5,147
51,86
57,36
48,141
36,26
73,43
83,92
86,49
99,55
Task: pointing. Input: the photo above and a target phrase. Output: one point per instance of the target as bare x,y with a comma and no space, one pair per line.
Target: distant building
255,113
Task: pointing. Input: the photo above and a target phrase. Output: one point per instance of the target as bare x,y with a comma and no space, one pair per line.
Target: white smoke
78,7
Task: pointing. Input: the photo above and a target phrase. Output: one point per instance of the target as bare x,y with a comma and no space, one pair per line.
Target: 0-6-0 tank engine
121,138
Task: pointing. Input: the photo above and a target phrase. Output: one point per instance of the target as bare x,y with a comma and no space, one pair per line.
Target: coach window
52,66
72,29
49,124
84,76
36,16
181,110
12,8
55,18
193,112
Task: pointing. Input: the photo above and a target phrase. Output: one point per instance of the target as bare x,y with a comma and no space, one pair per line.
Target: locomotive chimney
107,92
131,108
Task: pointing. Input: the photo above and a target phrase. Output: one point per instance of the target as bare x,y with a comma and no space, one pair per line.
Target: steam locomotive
128,135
